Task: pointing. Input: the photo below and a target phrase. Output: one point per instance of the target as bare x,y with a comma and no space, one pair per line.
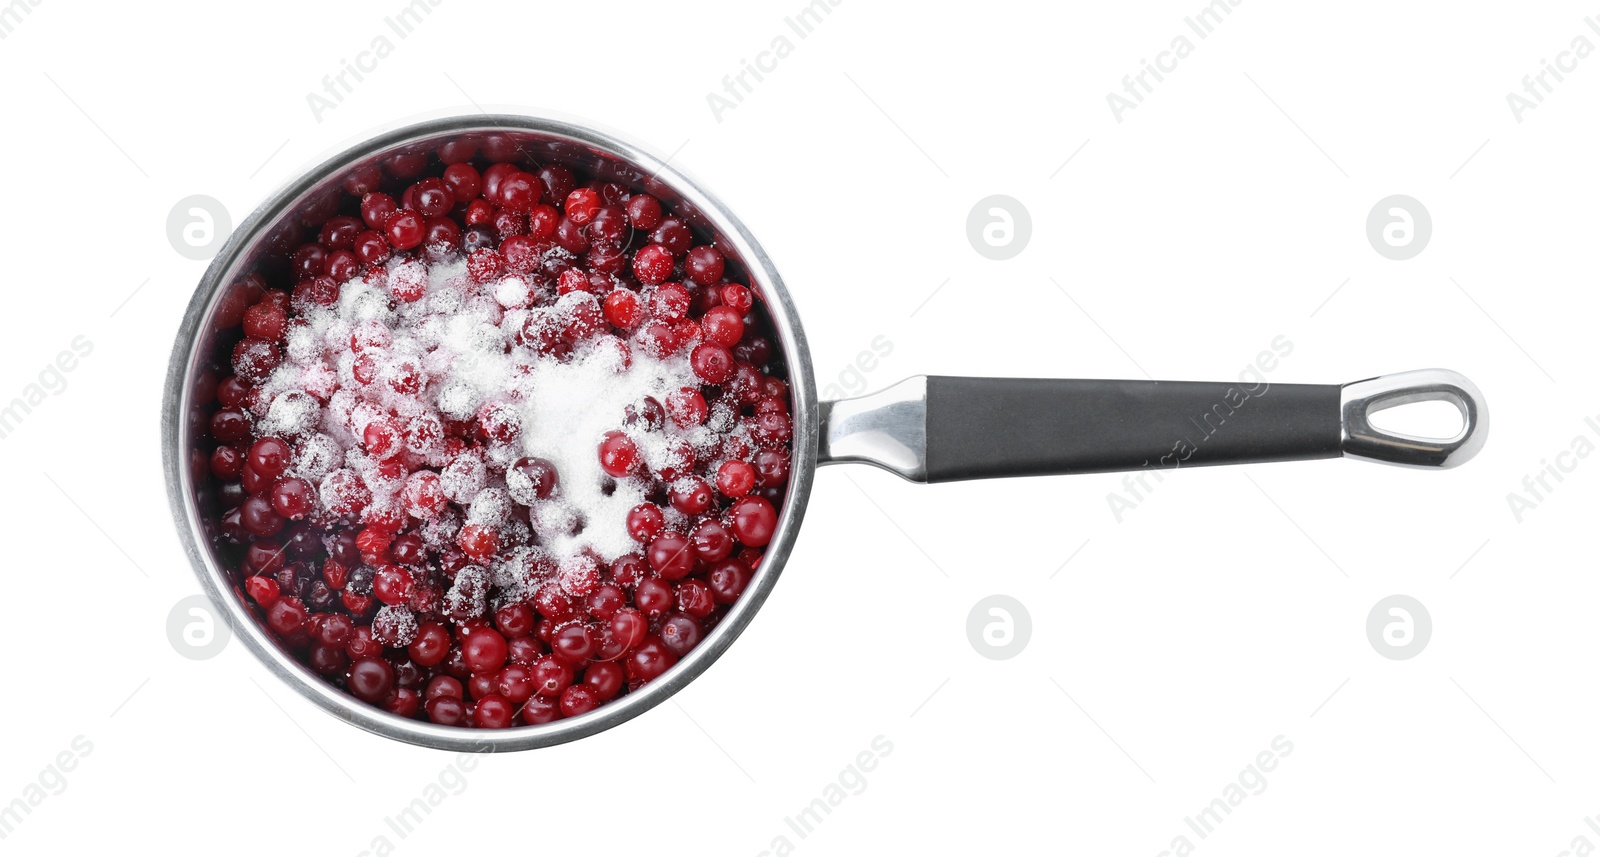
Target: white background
1227,608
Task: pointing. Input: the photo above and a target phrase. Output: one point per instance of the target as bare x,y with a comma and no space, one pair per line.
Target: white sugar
446,356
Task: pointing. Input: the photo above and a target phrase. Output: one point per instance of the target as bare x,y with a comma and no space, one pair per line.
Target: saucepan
926,428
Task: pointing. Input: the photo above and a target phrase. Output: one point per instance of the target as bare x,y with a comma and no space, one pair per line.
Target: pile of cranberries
396,602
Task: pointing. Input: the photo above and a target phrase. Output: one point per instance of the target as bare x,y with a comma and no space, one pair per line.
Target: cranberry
671,555
695,598
515,683
722,326
286,614
293,498
605,601
514,620
578,699
653,596
727,580
679,634
254,359
712,541
262,590
266,321
652,264
443,685
672,235
257,516
735,478
493,712
621,308
703,265
618,455
550,676
712,363
736,298
463,180
644,211
687,407
645,522
574,644
753,520
484,650
690,495
376,209
650,660
404,229
226,462
646,414
480,542
392,584
311,260
434,197
772,466
630,626
604,678
519,191
446,710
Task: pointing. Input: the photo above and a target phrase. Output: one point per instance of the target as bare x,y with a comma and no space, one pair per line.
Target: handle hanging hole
1438,419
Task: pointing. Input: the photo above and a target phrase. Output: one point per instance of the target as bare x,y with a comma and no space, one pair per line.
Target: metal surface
887,429
1360,399
278,223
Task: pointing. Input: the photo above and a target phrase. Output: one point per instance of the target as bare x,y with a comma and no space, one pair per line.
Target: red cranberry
446,710
712,541
257,516
463,180
370,679
703,265
695,598
738,299
618,455
652,264
653,596
431,644
673,236
540,710
690,495
484,650
753,520
443,685
727,580
515,683
735,478
644,211
604,678
376,208
514,620
550,676
679,634
630,625
404,230
574,644
493,712
650,660
578,699
687,407
671,555
266,321
711,363
293,498
262,590
722,326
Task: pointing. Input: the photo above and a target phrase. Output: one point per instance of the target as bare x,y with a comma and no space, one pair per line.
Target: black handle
979,428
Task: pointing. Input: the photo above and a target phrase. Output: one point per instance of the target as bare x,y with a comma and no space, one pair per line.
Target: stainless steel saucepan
926,429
